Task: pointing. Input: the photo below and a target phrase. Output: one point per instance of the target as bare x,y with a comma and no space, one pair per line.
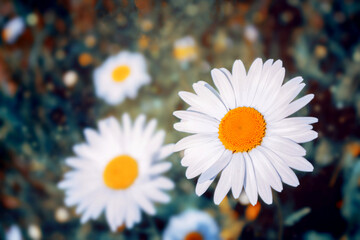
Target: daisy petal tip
217,201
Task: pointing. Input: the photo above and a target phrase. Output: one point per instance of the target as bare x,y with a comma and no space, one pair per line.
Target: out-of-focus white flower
244,131
119,171
185,49
13,29
13,233
70,78
192,225
121,76
251,33
34,232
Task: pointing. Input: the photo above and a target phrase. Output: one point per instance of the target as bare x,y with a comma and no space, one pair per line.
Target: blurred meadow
47,98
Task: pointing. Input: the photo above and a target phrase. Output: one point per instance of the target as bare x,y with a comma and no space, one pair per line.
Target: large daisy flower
244,131
118,171
121,76
192,225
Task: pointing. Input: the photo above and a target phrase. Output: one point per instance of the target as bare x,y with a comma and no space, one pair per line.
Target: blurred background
49,50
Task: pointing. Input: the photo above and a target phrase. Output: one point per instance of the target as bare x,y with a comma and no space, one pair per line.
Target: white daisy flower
185,49
192,225
13,29
245,131
118,171
13,233
121,76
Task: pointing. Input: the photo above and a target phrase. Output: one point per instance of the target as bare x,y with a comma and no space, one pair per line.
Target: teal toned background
42,117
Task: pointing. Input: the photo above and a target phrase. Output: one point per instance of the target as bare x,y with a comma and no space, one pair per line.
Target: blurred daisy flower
13,29
185,49
121,76
13,233
245,132
192,225
118,171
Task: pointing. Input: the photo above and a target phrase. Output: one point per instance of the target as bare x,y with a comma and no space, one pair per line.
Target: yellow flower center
193,236
120,73
182,53
120,172
242,129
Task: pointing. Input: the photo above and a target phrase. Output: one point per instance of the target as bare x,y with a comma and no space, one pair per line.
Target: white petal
195,127
138,129
196,117
201,188
156,195
284,145
223,185
293,121
195,155
224,86
265,85
238,80
265,168
238,174
286,174
250,180
296,162
291,108
273,90
163,183
217,167
210,95
287,94
288,130
306,136
201,105
194,140
144,202
159,168
253,79
156,142
262,83
166,151
206,160
127,130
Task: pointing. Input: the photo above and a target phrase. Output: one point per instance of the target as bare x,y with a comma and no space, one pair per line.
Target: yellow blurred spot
354,149
5,34
121,228
143,42
252,212
320,51
85,59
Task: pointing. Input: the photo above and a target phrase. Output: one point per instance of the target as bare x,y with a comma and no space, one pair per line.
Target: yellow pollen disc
120,73
120,172
242,129
193,236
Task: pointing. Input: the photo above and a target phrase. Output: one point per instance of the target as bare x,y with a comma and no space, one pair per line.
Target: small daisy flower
118,171
13,29
121,76
245,131
185,49
192,225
